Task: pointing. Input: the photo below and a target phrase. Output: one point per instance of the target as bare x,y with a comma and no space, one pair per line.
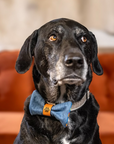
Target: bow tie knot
60,111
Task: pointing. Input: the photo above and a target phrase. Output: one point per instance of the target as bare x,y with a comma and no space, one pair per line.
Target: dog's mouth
70,80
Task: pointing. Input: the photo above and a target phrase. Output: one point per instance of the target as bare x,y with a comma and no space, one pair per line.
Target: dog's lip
71,79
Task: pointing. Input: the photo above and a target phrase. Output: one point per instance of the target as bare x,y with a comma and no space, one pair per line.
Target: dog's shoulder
94,102
26,104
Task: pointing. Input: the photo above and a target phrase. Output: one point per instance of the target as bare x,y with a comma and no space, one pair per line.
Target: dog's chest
64,141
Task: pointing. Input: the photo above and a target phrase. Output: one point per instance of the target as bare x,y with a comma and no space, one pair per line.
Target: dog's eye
83,39
53,38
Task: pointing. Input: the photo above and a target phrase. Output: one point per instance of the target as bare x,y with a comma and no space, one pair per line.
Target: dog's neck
64,93
78,104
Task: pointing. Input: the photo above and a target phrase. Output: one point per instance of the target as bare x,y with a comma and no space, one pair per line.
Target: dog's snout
73,60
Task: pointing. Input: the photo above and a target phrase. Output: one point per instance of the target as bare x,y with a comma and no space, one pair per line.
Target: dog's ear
95,62
24,59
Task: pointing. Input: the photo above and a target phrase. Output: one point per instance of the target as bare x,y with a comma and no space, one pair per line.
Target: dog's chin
69,81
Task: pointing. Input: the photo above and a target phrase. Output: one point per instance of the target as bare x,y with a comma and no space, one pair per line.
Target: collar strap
80,103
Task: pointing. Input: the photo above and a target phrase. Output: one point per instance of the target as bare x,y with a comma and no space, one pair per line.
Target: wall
19,18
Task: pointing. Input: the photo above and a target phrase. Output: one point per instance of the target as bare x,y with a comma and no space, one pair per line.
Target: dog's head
63,51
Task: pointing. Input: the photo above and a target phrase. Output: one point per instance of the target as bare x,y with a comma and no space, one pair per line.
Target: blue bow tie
59,111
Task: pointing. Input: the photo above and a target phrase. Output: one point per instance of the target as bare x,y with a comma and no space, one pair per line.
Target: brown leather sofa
14,88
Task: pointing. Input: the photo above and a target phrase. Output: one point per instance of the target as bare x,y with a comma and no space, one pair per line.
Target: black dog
65,53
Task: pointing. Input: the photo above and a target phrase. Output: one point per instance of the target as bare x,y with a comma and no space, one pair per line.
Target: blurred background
18,19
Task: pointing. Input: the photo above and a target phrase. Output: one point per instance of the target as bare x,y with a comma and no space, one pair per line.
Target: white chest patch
64,141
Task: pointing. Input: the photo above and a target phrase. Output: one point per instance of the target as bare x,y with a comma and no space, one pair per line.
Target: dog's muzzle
69,69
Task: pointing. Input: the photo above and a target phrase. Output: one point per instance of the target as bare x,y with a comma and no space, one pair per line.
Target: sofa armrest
106,122
10,122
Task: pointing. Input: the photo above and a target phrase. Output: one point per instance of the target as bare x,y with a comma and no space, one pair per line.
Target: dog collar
80,103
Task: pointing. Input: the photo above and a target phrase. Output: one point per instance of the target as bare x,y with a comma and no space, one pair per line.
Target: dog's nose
71,60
